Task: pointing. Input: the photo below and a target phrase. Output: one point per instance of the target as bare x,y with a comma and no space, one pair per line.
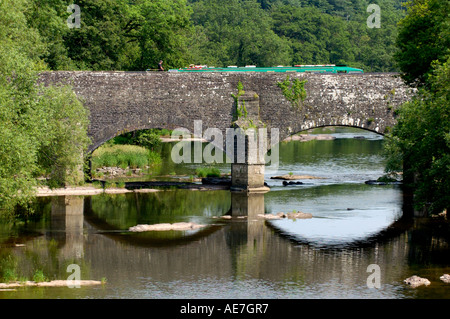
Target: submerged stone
293,177
165,227
445,278
416,281
293,215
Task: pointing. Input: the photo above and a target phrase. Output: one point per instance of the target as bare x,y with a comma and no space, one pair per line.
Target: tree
422,138
322,38
236,33
60,153
32,117
160,29
99,42
424,36
49,17
420,141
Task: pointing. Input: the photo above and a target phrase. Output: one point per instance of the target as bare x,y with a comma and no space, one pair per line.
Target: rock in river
445,278
165,227
293,177
293,215
416,281
286,183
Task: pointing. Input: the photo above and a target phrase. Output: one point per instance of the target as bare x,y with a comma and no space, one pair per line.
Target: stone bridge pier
249,145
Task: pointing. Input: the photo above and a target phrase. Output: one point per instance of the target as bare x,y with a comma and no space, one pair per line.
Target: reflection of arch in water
403,223
393,231
139,239
359,135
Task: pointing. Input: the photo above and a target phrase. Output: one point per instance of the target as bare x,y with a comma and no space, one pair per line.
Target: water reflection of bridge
238,248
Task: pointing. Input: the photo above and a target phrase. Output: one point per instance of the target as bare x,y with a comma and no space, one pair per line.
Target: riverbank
86,190
53,283
129,187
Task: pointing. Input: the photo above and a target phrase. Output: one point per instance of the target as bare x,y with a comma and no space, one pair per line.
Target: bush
124,156
207,172
39,276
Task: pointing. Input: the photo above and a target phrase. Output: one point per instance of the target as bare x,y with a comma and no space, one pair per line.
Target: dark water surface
354,225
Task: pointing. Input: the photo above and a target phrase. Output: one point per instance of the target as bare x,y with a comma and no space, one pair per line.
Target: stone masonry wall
126,101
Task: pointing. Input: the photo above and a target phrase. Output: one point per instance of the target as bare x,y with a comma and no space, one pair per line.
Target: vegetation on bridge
294,92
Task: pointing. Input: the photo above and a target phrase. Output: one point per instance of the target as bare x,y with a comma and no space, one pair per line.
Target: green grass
124,156
39,276
9,275
207,172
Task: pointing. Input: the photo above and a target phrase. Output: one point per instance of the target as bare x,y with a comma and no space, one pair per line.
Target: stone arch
109,136
349,126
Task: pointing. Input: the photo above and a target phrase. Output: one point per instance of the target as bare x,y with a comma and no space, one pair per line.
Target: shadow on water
353,225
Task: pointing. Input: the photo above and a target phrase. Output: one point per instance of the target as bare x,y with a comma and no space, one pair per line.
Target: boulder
285,183
416,281
269,216
445,278
165,227
293,215
299,215
293,177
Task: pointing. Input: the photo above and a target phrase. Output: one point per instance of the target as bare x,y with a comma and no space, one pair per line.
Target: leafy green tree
235,33
60,154
99,42
19,118
159,29
113,34
317,37
424,36
421,140
32,117
49,17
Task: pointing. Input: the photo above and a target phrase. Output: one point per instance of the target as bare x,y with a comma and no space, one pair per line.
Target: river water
354,226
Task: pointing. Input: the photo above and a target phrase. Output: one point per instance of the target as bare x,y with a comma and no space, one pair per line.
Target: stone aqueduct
121,102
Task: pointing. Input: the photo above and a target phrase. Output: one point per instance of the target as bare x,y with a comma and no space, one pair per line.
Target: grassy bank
208,172
124,157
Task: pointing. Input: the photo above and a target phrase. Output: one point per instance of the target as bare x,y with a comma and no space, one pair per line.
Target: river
353,227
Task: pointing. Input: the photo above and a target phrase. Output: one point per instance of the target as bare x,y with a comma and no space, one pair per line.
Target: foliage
146,138
235,32
160,29
207,172
294,92
113,35
424,36
241,110
135,35
124,156
8,266
34,119
39,276
321,35
60,155
421,140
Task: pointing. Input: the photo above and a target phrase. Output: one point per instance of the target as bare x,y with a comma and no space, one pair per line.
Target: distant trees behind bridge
136,35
